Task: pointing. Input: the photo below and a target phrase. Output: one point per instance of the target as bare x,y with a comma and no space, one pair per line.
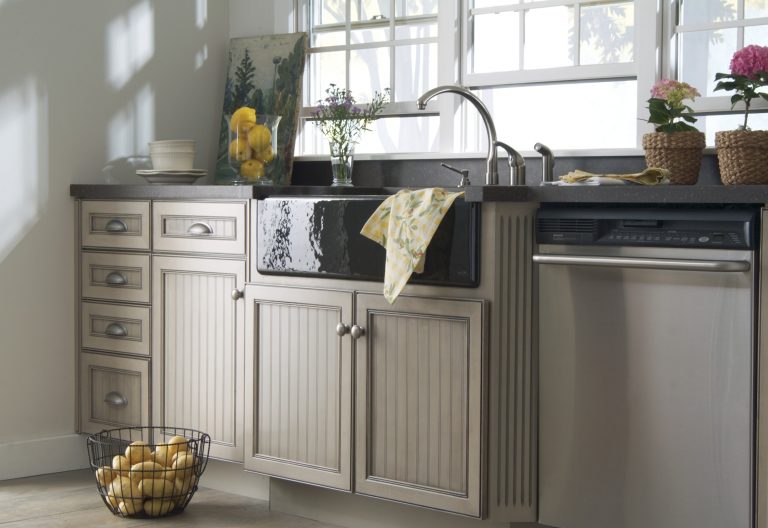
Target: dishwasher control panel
731,228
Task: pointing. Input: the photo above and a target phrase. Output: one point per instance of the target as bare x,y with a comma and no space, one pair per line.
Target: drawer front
116,328
115,277
115,224
200,227
114,392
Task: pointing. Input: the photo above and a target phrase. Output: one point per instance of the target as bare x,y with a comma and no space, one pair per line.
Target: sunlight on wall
201,56
133,126
24,154
130,44
201,13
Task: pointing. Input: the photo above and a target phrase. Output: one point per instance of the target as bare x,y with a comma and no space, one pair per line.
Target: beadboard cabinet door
298,413
419,404
198,344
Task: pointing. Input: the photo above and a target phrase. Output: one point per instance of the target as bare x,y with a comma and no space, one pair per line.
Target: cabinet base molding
230,477
357,511
40,456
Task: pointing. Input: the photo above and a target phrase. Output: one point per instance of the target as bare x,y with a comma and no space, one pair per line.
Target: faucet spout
492,168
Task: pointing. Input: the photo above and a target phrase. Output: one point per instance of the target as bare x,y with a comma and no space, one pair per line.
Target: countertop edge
663,194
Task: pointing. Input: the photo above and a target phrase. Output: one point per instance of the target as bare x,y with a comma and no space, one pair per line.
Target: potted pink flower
676,145
743,154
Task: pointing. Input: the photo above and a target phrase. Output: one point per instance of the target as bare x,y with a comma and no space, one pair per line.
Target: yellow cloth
404,224
650,176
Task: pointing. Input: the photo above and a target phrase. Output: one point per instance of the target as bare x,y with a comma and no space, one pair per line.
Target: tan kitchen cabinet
416,391
197,362
155,282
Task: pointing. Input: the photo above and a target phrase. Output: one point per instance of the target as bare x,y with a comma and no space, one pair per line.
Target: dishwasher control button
703,239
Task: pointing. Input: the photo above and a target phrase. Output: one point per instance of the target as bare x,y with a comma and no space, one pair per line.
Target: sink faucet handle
547,163
464,174
516,164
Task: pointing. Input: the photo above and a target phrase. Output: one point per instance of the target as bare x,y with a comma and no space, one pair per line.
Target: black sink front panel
320,237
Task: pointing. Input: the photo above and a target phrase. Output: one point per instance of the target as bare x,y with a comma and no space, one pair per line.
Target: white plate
172,176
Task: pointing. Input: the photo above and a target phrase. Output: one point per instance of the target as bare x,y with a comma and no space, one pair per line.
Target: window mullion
392,50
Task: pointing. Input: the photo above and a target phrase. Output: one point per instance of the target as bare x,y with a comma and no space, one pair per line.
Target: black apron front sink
320,237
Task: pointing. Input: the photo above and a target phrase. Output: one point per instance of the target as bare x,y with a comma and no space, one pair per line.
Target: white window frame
707,105
655,49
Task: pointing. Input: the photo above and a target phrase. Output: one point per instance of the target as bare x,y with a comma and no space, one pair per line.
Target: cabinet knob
237,294
116,399
357,331
116,330
116,225
115,278
200,228
342,329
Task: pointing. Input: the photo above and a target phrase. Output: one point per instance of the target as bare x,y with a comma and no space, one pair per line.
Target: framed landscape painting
265,74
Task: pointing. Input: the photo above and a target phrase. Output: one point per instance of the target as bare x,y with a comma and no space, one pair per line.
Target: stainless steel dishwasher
646,367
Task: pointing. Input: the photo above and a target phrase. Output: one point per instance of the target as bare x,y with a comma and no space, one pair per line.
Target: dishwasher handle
645,263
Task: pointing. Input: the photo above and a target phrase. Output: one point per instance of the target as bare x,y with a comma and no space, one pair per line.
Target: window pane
704,53
495,3
371,72
548,38
326,68
496,46
365,10
329,11
756,35
387,135
704,11
607,33
404,134
361,36
711,124
524,123
328,38
410,31
420,63
415,7
755,9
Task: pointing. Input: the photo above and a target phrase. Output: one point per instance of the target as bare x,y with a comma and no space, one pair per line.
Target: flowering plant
666,106
749,73
341,120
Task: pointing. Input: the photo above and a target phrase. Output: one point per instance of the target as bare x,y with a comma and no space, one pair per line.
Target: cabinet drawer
114,392
115,224
116,328
200,227
115,277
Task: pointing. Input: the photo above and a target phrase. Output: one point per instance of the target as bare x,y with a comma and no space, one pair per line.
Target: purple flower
750,61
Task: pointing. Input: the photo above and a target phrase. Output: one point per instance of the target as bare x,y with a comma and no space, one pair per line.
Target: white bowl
173,154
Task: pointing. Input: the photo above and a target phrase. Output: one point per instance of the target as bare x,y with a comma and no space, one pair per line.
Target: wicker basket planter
743,157
678,152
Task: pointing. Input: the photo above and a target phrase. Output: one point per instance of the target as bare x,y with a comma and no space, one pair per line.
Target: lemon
266,155
259,138
239,150
242,120
252,169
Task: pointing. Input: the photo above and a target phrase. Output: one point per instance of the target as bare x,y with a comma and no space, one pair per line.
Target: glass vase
252,147
342,158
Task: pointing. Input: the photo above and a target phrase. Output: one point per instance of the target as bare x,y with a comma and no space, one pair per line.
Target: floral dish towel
404,224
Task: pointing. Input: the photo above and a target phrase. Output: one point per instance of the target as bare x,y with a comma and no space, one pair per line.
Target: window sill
583,153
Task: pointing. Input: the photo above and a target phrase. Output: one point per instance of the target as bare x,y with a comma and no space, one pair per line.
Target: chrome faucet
547,163
516,164
491,169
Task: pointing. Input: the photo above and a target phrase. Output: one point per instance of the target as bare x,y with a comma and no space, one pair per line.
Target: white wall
83,85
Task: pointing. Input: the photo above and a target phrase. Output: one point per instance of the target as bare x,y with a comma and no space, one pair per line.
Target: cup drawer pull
115,278
116,330
116,399
200,228
116,225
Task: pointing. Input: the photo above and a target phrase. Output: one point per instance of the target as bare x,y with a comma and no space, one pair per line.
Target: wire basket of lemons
252,145
148,471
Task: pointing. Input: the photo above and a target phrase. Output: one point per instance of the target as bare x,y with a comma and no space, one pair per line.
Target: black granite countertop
666,194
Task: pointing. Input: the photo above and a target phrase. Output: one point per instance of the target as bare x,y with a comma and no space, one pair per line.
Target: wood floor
70,500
